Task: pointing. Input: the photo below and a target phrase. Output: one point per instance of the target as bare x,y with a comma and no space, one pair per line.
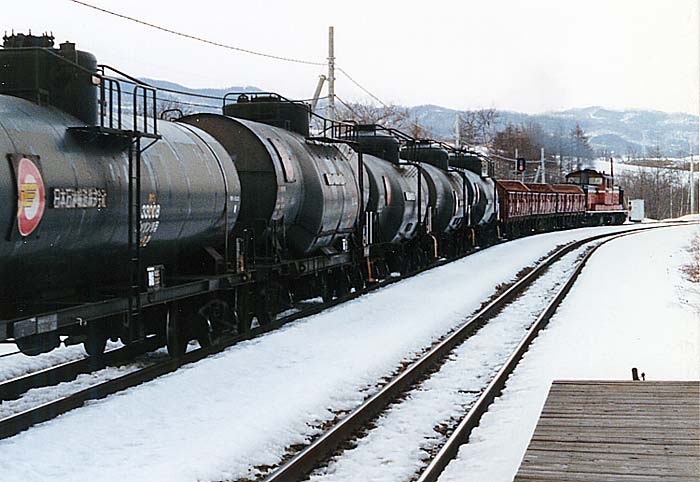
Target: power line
237,49
342,71
384,104
348,107
193,37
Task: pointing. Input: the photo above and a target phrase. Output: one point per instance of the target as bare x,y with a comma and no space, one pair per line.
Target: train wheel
214,319
406,267
267,303
357,280
244,311
264,317
342,284
326,288
37,344
96,340
175,338
208,334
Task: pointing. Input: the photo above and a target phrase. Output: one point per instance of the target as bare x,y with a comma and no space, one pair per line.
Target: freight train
120,225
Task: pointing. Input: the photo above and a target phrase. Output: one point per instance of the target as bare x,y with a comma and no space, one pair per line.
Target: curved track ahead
327,445
15,388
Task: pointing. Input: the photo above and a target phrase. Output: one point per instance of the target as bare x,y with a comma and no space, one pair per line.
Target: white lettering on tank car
150,220
79,198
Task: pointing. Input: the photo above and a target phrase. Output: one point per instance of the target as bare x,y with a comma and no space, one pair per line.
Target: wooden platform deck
616,431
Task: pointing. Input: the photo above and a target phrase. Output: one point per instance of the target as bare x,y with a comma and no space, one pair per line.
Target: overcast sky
527,55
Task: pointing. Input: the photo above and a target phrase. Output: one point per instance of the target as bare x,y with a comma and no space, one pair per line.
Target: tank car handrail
252,95
134,80
114,85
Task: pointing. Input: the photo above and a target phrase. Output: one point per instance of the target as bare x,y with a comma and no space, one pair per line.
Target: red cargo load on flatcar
537,207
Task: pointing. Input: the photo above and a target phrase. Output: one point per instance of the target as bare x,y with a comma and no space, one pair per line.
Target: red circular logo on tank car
31,197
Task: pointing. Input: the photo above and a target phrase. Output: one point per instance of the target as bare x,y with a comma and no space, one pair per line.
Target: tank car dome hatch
32,69
378,144
270,109
423,152
469,162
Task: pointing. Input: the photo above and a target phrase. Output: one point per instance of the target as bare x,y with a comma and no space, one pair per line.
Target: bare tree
169,108
666,192
476,127
389,115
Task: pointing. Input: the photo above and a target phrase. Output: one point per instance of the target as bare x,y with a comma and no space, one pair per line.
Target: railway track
70,371
13,389
333,442
12,353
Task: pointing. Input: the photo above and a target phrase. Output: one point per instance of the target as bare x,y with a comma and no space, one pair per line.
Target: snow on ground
16,365
39,396
626,310
244,407
688,217
399,445
603,165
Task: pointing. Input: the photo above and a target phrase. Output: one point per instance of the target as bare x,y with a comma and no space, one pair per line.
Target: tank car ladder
112,129
133,322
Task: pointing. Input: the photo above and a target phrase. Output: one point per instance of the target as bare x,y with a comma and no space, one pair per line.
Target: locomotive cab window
596,181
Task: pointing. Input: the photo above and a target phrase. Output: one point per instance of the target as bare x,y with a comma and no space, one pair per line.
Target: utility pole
612,171
457,139
331,75
544,176
515,168
692,186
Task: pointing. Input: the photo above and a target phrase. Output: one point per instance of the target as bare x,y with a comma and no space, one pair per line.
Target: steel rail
471,420
300,465
14,388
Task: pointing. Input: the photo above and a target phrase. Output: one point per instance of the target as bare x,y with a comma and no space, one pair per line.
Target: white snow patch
399,445
623,312
13,366
244,407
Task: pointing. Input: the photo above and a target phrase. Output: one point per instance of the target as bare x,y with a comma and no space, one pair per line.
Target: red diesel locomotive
604,200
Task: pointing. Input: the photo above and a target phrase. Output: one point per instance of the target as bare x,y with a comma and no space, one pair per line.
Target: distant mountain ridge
212,92
626,132
633,132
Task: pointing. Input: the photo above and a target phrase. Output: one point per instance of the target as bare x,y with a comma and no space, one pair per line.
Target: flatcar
120,225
